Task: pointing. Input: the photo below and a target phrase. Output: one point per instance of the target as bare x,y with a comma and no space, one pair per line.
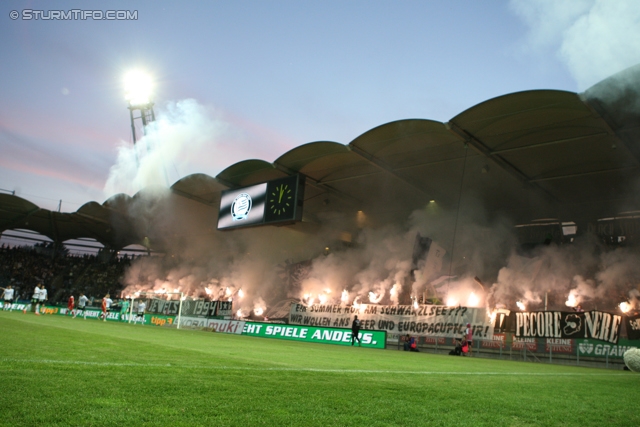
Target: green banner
596,348
369,338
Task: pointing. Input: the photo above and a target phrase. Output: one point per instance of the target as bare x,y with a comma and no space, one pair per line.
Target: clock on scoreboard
283,202
273,202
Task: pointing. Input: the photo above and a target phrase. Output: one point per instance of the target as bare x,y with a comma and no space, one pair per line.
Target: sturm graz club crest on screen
242,207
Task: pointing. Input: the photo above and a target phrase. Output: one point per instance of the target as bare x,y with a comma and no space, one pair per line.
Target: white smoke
592,38
174,145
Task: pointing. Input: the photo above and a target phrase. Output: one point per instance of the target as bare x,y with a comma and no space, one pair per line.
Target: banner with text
591,348
218,325
370,339
559,324
426,320
632,324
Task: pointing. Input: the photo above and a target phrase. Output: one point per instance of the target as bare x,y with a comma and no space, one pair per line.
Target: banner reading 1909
370,339
426,320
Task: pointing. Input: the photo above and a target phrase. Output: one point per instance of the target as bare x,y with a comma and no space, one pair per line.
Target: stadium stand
61,273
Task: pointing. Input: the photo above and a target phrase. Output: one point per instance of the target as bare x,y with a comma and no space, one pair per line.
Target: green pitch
71,372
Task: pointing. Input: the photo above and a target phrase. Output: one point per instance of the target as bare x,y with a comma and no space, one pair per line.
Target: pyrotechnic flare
572,301
521,305
492,316
451,302
473,300
240,293
374,298
345,296
625,306
322,298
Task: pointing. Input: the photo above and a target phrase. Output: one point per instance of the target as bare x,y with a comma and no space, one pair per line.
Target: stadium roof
527,155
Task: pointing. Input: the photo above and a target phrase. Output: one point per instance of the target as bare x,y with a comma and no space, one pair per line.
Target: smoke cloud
592,38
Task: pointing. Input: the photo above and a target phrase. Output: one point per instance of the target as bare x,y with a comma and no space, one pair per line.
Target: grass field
70,372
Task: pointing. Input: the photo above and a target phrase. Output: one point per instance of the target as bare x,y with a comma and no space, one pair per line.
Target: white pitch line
284,369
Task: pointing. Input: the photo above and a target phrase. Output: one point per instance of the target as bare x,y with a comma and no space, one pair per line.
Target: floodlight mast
146,116
138,88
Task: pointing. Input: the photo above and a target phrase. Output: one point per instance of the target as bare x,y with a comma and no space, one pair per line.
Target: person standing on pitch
7,295
35,298
124,309
355,331
82,305
43,298
70,305
106,305
141,307
468,337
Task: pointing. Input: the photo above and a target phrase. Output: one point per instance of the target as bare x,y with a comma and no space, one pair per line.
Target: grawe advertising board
338,336
595,348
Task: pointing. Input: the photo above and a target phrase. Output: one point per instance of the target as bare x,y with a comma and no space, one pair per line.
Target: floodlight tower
138,87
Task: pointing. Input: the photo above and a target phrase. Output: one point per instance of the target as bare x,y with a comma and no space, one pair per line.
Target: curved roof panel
551,140
538,153
249,172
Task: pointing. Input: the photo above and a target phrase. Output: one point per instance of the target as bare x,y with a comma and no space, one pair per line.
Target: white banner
426,320
218,325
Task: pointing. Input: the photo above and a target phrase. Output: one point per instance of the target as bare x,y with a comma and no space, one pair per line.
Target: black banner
190,308
633,327
161,306
225,308
559,324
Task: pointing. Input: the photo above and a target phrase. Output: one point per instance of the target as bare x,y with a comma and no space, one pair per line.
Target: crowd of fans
61,273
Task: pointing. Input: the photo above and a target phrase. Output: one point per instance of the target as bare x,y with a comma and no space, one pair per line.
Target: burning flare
572,301
473,300
374,298
345,296
625,306
492,316
521,305
451,302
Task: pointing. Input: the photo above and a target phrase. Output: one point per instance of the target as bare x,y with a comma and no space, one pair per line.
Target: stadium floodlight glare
138,87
